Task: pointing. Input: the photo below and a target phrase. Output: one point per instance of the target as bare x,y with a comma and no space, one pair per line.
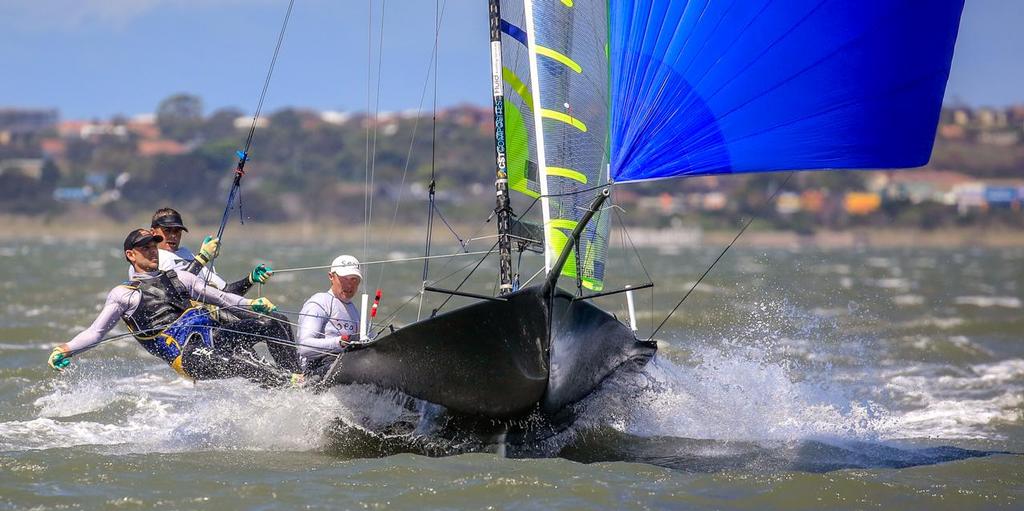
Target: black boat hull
500,359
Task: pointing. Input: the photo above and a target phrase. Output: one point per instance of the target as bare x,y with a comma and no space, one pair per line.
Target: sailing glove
263,305
209,250
59,359
344,340
261,274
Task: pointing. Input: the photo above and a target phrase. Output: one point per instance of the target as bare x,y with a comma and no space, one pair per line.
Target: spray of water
784,374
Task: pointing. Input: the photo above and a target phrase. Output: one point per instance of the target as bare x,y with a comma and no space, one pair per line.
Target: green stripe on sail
558,237
517,85
588,260
517,151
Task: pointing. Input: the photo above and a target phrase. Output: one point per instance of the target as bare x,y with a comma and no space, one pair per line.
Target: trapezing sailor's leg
273,329
231,355
203,363
284,352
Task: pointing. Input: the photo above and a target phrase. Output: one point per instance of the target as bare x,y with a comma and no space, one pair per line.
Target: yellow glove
263,305
209,250
59,359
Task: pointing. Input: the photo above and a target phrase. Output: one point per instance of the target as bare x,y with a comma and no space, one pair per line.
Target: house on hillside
20,122
917,186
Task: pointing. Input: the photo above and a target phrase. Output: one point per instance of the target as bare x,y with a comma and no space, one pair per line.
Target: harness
166,308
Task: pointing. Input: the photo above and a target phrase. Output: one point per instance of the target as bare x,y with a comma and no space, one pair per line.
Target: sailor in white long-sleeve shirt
170,314
329,321
167,223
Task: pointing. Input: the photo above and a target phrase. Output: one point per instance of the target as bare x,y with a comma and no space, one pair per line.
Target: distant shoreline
19,228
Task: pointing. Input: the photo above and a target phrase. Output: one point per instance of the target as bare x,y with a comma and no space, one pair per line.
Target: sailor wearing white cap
329,320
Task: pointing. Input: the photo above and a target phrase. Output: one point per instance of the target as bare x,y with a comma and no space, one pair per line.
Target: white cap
345,265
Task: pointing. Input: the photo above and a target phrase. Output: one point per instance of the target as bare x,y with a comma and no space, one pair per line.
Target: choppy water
793,379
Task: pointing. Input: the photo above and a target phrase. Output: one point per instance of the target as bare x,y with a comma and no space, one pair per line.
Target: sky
98,58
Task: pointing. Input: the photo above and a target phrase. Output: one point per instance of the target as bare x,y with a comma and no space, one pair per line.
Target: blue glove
261,274
59,359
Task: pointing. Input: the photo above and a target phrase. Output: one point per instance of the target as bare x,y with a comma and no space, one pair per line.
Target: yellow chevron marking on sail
518,86
524,93
561,57
569,173
556,240
559,116
567,3
562,223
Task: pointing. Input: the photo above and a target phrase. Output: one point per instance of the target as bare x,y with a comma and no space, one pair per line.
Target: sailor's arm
200,290
119,301
207,274
239,287
184,261
311,340
194,267
260,274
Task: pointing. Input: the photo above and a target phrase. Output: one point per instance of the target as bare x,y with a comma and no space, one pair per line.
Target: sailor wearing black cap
173,256
178,318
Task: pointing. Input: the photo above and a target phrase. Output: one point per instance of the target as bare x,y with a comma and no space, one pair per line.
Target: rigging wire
376,129
719,258
538,272
623,238
433,145
369,82
395,313
562,194
412,142
627,237
451,229
387,261
243,155
470,274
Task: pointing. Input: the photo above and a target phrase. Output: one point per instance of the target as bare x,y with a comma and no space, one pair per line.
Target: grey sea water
791,379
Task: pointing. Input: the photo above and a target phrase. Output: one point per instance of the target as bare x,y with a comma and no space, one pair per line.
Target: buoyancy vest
166,318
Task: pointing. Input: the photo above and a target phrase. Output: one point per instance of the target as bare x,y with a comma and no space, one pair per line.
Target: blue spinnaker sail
704,87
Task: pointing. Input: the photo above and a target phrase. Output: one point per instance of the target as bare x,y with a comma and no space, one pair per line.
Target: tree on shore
180,117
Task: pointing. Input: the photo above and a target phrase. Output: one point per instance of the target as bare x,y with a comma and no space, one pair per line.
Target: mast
502,208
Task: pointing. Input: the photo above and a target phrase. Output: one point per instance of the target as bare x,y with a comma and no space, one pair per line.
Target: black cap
168,217
140,237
